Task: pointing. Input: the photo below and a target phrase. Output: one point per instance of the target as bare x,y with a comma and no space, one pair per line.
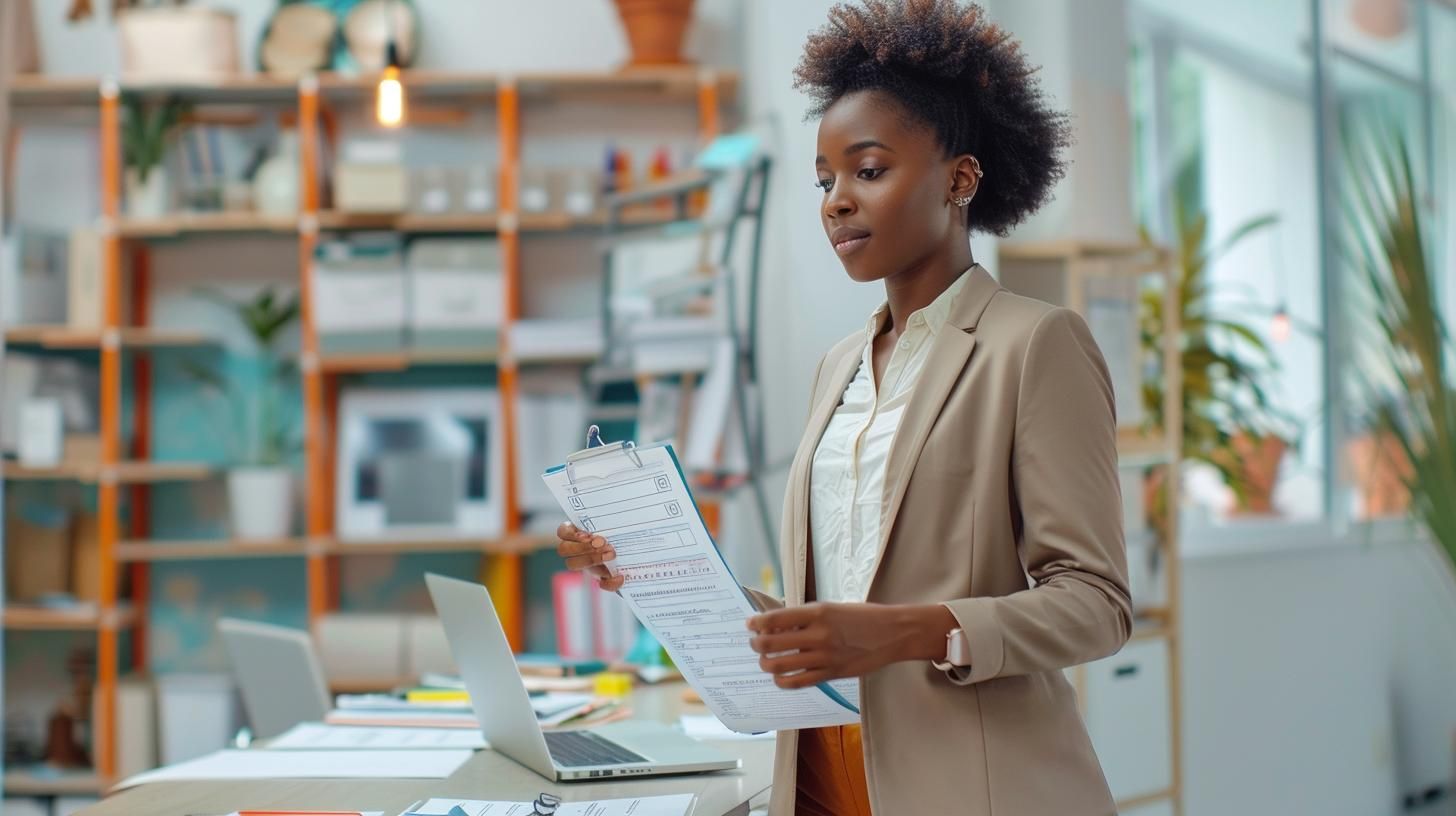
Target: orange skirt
831,774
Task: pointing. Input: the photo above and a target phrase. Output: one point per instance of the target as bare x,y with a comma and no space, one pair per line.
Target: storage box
361,296
370,177
136,726
37,552
457,295
178,42
196,715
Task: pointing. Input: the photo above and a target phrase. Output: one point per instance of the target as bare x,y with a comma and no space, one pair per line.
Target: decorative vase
260,502
146,198
275,186
655,30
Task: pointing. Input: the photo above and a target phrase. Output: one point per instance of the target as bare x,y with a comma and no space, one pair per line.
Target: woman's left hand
806,645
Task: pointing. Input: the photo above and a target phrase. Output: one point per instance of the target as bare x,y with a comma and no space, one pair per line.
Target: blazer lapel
833,391
949,354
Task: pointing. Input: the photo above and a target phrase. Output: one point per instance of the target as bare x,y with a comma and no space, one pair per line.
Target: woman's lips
845,246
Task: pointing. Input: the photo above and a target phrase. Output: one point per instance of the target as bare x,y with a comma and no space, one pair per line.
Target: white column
1082,48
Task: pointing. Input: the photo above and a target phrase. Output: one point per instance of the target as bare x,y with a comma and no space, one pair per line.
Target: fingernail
599,543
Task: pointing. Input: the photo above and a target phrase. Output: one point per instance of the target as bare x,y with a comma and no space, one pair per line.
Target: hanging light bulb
389,101
1280,326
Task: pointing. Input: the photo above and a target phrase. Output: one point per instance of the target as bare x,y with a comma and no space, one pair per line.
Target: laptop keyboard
576,749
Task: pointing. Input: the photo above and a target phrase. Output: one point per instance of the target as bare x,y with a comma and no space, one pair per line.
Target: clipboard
598,452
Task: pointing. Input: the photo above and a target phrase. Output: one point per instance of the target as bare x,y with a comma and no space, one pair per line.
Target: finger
612,583
792,640
566,548
793,662
801,680
567,531
790,617
591,559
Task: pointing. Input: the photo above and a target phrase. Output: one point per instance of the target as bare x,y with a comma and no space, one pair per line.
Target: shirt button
904,344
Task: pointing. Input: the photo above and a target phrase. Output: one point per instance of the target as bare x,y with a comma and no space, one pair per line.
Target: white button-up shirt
847,482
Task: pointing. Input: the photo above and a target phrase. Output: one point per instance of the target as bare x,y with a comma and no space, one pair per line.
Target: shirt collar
936,314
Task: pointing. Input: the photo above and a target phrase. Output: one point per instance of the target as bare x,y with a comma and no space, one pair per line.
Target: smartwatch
957,652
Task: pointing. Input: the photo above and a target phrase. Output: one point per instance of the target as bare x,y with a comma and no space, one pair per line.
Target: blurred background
299,298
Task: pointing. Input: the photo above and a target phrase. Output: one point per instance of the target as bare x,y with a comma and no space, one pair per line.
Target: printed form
678,585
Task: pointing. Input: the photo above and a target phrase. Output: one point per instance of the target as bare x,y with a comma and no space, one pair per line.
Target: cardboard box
37,553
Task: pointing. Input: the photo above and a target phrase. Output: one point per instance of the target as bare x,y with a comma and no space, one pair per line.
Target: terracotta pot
1256,460
1379,469
655,29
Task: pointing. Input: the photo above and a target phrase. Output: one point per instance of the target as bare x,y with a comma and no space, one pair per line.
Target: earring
961,201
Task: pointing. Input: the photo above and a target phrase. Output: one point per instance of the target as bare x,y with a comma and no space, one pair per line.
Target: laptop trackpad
661,744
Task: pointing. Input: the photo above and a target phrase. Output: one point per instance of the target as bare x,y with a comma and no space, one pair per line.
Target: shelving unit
125,338
1129,715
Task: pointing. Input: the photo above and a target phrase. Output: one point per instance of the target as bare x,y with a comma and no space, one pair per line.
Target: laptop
509,724
278,674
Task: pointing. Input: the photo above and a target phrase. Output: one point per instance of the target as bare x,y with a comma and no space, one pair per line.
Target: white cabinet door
1127,715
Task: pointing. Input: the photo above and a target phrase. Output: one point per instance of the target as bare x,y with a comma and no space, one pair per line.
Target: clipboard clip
595,447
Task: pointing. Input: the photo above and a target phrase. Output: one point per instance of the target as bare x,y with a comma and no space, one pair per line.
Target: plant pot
260,502
1255,461
655,30
146,199
1380,471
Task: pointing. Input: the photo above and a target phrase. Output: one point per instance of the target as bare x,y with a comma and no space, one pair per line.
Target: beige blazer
1002,501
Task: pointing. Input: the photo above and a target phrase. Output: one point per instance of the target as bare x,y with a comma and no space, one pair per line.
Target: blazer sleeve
1064,476
763,601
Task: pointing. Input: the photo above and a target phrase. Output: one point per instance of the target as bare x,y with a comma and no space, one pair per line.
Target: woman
961,442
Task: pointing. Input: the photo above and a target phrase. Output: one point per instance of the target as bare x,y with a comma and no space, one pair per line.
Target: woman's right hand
583,551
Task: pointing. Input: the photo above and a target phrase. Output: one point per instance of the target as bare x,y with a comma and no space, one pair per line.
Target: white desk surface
487,775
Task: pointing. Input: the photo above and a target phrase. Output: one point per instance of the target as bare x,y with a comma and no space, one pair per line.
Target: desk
487,775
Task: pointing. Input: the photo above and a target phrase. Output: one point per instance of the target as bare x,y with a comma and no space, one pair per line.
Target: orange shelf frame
316,447
108,493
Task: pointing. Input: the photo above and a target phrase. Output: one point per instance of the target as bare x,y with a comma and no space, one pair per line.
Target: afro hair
958,73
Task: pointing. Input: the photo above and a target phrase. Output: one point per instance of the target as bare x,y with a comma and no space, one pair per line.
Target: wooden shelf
487,223
173,226
1062,250
646,84
55,783
126,472
143,550
398,361
507,545
64,337
42,618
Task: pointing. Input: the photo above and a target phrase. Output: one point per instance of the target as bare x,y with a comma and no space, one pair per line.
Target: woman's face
887,184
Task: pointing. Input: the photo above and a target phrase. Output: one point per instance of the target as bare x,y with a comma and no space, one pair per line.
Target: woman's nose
838,205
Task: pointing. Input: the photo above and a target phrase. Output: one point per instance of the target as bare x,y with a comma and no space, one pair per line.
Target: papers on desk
262,764
322,736
645,806
678,585
707,727
385,711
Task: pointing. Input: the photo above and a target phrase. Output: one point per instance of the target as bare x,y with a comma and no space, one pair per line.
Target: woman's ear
965,180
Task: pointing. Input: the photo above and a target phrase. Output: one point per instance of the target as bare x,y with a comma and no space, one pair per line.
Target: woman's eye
824,184
871,173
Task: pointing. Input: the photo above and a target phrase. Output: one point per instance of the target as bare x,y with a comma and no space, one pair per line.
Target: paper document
321,736
678,585
403,718
309,765
707,727
646,806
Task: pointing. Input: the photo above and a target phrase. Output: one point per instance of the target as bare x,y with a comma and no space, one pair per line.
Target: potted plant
655,30
1409,395
260,429
145,132
1229,421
